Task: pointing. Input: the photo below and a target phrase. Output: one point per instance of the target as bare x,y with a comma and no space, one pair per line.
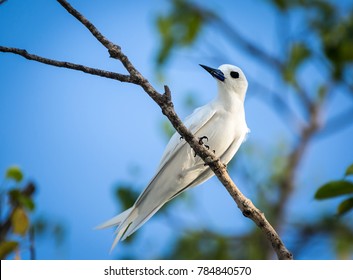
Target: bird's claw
201,140
202,143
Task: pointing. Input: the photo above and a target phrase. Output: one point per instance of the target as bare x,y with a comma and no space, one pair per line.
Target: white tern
220,125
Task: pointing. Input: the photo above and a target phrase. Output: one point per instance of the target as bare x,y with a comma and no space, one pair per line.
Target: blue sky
76,135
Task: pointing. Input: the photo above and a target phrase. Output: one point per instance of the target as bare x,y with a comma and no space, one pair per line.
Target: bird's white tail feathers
127,223
116,221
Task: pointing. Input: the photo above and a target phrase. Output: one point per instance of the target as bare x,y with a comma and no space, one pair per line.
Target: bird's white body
222,121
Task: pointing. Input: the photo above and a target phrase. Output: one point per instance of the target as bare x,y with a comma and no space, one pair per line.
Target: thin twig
95,32
69,65
240,40
113,49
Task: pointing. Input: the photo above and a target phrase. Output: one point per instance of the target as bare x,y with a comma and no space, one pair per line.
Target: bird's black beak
218,74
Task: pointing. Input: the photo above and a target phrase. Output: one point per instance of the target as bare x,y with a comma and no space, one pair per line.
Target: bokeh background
89,145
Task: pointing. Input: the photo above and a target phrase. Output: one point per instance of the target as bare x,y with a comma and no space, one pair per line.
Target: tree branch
113,49
69,65
166,105
337,123
294,159
95,32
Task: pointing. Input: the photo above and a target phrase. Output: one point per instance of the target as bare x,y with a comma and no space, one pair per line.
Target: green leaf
18,198
349,170
333,189
19,221
26,202
15,173
7,247
345,206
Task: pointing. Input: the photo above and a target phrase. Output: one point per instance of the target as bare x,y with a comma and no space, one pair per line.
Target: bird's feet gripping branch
201,142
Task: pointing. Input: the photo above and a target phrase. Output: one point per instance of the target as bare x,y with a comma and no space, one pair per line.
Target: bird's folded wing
196,121
199,118
143,210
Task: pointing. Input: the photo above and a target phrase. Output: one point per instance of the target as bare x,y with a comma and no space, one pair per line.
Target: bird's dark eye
234,74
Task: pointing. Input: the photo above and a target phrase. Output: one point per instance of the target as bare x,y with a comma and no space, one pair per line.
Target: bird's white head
230,79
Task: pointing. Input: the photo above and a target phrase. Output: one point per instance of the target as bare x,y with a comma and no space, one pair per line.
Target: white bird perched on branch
221,123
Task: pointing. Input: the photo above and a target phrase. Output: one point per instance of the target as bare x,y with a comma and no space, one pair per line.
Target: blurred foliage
210,245
16,226
43,226
180,28
325,38
299,52
333,29
186,20
126,195
339,188
325,227
15,173
335,32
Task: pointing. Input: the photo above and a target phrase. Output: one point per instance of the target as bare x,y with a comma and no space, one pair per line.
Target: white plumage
222,121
